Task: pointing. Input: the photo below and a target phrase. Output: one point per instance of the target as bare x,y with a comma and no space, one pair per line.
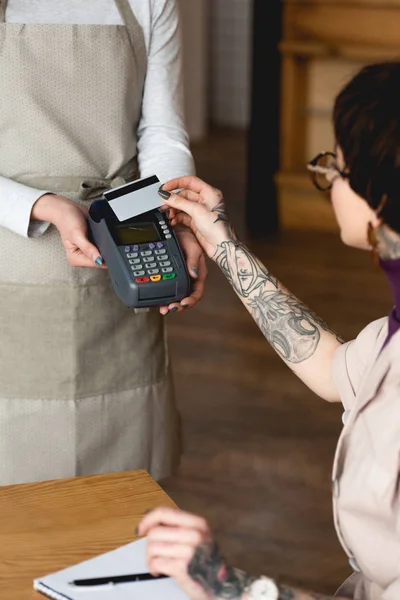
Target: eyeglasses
324,170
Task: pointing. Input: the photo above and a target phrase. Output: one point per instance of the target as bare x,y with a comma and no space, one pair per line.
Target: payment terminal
142,254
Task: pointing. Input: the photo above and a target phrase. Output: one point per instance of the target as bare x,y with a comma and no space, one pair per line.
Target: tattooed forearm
291,328
288,325
209,569
243,270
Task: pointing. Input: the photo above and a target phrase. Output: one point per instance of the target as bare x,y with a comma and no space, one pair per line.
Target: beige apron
85,383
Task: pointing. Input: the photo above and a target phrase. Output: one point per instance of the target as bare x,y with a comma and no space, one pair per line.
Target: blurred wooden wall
324,43
194,21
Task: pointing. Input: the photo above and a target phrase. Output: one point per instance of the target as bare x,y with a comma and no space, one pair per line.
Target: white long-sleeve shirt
163,144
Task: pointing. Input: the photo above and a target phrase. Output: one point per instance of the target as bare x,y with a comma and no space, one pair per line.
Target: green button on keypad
169,276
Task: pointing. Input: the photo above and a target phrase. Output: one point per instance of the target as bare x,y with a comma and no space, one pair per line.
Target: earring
373,242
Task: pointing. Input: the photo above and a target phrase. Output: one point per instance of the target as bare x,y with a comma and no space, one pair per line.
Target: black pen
115,579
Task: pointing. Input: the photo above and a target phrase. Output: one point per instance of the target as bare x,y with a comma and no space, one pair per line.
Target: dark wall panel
262,216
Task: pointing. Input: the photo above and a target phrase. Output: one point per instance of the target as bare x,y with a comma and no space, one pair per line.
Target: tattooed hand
200,207
301,338
181,545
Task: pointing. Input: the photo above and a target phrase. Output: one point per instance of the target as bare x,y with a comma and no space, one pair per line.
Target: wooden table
47,526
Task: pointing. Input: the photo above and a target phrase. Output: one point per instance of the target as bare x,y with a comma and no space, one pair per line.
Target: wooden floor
258,445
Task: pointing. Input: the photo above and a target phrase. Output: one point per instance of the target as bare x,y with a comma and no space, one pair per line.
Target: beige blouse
366,480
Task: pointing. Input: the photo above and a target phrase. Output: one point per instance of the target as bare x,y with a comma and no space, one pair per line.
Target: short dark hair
366,120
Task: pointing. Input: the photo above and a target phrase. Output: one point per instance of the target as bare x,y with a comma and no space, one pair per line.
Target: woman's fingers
198,285
81,252
192,251
77,259
173,535
189,182
173,538
196,265
178,569
182,204
170,550
172,567
195,189
72,226
171,517
181,218
189,195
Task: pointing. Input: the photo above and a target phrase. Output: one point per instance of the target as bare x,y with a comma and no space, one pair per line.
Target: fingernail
137,530
185,305
195,271
146,512
173,309
164,194
99,261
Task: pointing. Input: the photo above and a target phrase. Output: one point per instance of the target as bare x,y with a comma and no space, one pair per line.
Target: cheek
352,215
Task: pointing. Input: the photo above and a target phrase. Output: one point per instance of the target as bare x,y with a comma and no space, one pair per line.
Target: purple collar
391,268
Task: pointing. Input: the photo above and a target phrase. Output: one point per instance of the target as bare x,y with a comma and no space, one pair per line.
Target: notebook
127,559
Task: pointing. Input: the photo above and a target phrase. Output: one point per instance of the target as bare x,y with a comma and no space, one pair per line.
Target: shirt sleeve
163,141
351,360
16,203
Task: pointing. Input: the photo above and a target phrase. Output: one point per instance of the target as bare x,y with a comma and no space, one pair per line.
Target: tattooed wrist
209,569
222,217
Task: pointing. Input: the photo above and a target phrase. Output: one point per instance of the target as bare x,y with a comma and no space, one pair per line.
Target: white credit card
135,198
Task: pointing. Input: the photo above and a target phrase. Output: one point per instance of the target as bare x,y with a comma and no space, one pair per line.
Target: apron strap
3,6
130,22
